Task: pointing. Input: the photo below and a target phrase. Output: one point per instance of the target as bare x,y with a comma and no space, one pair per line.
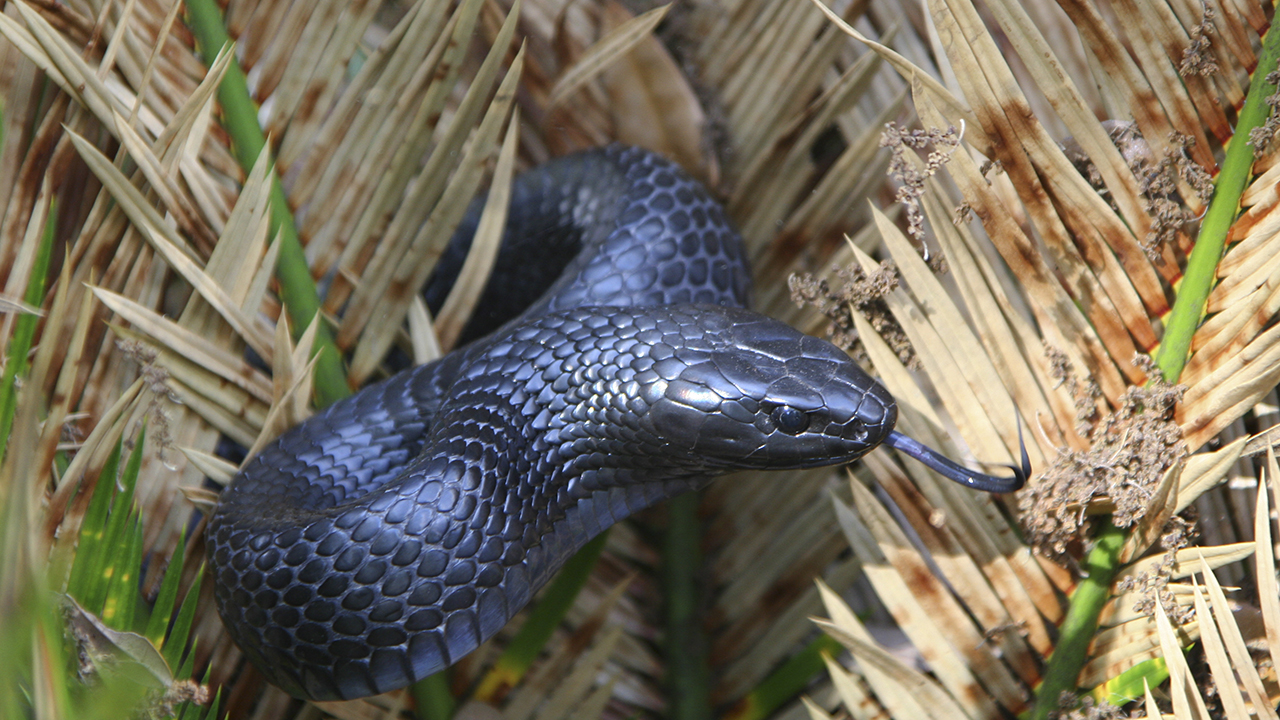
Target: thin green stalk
785,683
543,620
431,697
24,330
1102,563
1131,684
1077,631
688,678
297,287
1202,265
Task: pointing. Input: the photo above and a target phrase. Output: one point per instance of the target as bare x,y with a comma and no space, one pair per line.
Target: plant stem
297,287
688,684
1102,563
1077,630
1202,265
432,699
544,618
785,683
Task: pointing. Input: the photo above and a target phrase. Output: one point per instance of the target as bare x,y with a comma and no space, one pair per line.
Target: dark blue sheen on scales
393,532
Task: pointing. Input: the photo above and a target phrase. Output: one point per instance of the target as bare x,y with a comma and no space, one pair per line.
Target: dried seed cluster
1260,137
859,292
1197,59
1131,449
907,170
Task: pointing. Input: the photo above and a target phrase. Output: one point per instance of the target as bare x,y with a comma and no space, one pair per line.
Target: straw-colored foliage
1033,250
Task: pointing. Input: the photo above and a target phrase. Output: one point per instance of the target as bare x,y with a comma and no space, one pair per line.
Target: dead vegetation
166,261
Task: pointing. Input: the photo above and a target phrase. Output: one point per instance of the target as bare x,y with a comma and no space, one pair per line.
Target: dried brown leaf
1265,560
1156,516
215,468
1241,663
168,244
937,94
651,101
1219,666
604,53
1187,702
924,609
474,275
901,684
1204,471
183,342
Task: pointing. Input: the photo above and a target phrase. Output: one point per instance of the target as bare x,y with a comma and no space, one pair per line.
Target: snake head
766,397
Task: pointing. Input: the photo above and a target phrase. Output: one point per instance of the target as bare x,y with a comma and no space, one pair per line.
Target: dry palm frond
383,119
1096,297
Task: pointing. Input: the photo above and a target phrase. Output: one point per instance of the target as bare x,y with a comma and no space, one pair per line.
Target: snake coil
393,532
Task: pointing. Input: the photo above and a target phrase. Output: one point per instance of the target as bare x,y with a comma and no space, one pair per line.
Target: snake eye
790,420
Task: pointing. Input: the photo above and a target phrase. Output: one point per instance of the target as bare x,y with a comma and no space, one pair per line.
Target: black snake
393,532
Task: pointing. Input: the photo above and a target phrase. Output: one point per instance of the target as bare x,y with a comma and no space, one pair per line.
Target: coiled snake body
392,533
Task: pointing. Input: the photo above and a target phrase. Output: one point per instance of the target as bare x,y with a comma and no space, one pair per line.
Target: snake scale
393,532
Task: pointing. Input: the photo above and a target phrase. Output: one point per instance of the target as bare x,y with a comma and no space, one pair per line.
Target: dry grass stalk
168,240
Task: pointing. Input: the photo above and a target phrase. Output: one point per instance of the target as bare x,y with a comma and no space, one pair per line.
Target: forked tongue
964,476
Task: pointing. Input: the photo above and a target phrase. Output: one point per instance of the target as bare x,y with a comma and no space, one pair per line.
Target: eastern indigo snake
393,532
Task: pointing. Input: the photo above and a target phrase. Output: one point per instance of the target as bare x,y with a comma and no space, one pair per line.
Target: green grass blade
214,707
122,597
188,709
177,640
785,683
1129,685
188,665
24,331
49,681
115,541
129,480
166,599
85,572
